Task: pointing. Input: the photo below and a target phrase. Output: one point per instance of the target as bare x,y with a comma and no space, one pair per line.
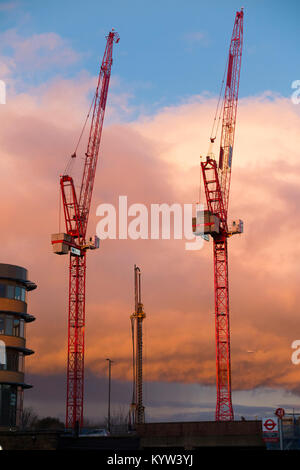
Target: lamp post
109,390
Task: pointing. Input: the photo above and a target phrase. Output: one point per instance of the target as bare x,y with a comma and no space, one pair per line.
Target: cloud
152,160
195,38
40,51
163,401
7,6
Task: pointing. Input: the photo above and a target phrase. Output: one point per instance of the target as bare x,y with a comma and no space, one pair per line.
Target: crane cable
215,126
214,134
73,156
199,200
59,210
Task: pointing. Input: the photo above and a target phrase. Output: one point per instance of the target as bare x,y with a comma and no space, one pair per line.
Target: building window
19,407
21,364
12,292
8,405
22,329
12,326
16,327
9,325
18,293
14,361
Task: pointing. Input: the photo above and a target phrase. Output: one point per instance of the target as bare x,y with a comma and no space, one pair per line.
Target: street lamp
109,389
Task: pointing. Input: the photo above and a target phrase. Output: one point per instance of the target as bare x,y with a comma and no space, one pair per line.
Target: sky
166,76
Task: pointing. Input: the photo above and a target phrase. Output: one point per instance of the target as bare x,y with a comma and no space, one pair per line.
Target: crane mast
76,213
137,410
216,179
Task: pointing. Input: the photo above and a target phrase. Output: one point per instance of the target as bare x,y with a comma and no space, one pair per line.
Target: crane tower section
137,409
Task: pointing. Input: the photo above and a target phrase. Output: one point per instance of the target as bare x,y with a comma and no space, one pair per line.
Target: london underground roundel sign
270,425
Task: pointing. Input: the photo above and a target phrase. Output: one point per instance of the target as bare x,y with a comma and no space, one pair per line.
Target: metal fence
290,436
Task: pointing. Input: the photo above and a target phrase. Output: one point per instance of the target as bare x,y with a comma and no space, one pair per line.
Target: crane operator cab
62,243
205,223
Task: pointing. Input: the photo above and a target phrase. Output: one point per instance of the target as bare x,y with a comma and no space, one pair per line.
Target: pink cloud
157,160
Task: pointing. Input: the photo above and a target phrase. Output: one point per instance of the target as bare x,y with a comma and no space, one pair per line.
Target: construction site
125,347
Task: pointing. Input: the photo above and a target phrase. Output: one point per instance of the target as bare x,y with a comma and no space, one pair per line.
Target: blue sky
169,49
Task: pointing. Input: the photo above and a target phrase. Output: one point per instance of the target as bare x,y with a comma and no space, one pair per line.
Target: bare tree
94,423
118,420
29,418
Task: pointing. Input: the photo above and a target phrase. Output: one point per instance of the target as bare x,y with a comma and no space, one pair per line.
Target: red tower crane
137,410
76,213
216,177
